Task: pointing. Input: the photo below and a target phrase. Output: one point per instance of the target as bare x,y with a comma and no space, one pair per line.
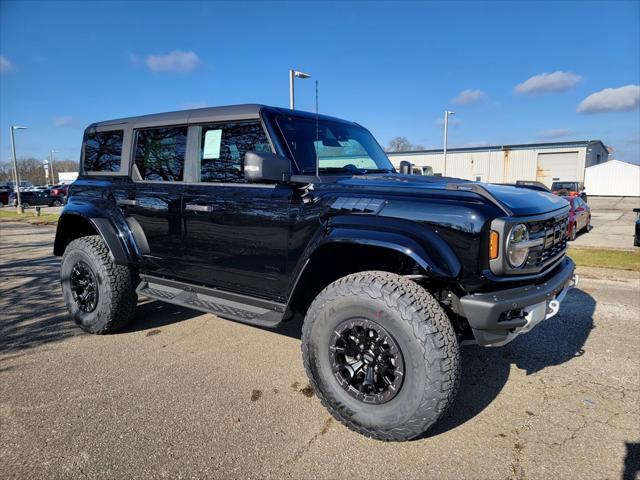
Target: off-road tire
117,296
421,329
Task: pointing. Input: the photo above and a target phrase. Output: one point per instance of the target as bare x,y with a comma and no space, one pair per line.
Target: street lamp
53,178
293,74
15,164
446,132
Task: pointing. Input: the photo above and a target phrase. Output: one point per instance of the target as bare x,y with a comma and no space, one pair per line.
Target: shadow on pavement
485,371
32,313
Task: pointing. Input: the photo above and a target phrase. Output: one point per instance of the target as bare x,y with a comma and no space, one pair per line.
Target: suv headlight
518,245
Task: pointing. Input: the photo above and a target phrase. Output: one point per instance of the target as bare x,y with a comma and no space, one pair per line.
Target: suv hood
520,200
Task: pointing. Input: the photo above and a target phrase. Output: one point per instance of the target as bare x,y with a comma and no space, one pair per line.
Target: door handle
194,207
128,202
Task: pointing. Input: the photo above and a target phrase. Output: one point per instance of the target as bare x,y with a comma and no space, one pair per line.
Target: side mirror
405,167
266,167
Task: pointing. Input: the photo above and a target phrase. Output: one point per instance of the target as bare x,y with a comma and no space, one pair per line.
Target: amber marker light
494,241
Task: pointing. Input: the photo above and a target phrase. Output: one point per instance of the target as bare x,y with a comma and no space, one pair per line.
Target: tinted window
222,149
160,153
103,151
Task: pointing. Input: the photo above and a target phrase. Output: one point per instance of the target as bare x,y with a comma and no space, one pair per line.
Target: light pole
446,132
53,178
15,163
292,75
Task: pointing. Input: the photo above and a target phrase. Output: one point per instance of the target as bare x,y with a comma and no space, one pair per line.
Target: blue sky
514,72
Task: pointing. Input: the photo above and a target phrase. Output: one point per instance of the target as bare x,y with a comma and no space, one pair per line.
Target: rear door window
160,153
103,151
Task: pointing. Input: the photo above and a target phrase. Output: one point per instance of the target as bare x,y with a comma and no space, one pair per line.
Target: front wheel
381,355
100,295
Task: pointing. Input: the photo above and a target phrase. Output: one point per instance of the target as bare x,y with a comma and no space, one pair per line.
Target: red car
579,216
60,190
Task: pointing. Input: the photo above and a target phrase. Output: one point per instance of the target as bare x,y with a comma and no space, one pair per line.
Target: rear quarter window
103,151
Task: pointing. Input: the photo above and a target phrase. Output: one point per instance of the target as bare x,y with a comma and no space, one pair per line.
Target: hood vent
358,205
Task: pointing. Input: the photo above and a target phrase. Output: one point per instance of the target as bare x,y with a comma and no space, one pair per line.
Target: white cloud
555,133
558,81
5,65
612,100
63,121
176,61
469,96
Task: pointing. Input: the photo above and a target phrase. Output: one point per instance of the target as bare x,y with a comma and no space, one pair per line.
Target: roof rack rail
479,189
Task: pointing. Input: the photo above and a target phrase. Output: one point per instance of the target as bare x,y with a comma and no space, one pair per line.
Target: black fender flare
117,233
430,252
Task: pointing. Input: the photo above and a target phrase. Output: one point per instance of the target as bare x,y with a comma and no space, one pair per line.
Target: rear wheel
100,295
56,203
381,355
25,204
574,232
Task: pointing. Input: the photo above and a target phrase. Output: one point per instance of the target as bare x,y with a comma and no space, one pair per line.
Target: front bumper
496,318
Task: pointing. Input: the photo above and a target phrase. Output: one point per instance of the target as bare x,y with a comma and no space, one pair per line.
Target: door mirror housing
266,167
405,167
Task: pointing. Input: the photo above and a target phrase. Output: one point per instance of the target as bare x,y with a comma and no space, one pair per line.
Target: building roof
521,146
612,162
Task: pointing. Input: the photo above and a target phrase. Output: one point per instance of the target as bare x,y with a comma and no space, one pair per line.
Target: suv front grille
553,231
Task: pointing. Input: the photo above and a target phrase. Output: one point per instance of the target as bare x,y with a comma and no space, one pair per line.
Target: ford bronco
263,215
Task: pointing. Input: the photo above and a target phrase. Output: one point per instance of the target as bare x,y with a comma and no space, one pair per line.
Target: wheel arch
119,240
352,250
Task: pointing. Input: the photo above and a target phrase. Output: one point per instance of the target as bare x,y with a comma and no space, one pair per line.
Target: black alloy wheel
84,287
366,361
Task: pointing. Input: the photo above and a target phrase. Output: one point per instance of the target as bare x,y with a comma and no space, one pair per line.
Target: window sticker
212,140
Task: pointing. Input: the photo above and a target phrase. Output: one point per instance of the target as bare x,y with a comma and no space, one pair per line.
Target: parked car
4,196
579,217
569,189
60,190
636,238
38,197
269,216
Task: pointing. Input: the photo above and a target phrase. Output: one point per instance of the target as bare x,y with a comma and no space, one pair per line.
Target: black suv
262,215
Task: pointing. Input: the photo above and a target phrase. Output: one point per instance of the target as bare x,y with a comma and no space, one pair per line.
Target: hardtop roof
209,114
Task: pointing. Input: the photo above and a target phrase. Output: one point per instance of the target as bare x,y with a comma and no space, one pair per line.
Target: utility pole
15,164
446,131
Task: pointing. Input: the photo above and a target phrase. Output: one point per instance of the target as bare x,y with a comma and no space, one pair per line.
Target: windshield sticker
212,140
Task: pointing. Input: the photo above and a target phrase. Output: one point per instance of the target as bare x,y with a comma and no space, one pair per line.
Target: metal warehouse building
544,162
614,178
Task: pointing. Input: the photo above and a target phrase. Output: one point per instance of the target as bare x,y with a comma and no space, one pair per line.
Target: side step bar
228,305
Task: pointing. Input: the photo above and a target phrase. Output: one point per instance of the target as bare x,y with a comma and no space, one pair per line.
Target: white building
67,177
544,162
614,178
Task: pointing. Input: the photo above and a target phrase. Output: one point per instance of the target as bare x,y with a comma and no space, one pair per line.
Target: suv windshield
338,146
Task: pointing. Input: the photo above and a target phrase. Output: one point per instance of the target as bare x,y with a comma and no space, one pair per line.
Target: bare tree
402,144
32,170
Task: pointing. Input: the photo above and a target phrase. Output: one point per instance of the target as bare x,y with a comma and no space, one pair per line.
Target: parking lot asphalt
180,394
612,222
